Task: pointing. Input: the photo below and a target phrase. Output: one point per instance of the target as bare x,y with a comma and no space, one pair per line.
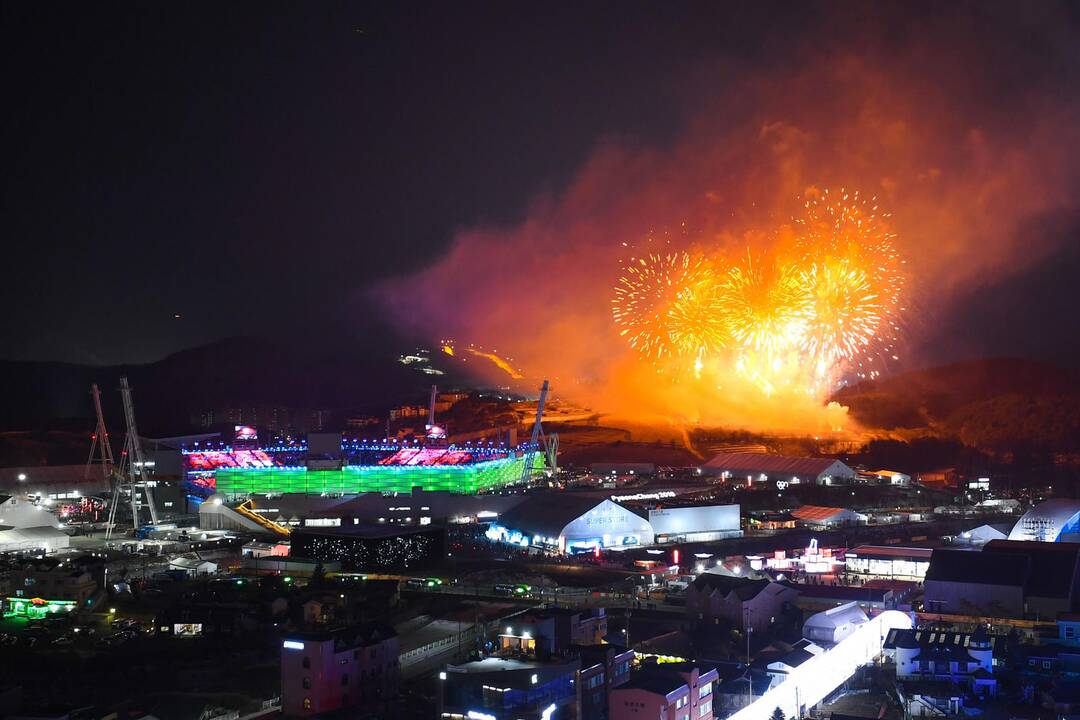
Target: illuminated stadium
376,466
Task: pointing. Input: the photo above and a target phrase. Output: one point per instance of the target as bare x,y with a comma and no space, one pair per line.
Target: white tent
835,624
49,539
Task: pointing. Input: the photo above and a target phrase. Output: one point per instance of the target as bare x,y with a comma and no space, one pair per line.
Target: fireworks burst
763,303
845,242
829,305
667,306
844,318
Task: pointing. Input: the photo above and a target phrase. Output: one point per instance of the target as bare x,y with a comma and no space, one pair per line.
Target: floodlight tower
537,433
133,455
431,407
99,445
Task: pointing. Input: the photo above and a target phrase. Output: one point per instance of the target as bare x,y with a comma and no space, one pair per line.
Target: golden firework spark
828,305
763,303
845,315
667,306
844,240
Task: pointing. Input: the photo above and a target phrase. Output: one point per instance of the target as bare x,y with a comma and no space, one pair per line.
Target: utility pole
747,629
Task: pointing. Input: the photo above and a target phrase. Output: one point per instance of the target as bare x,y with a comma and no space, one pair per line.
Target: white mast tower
133,467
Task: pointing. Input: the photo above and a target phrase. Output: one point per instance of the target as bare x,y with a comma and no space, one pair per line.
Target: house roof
979,568
811,513
758,463
675,643
362,635
657,681
744,588
923,638
842,592
548,515
795,658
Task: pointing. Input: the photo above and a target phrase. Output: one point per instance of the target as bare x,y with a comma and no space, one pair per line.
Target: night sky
254,168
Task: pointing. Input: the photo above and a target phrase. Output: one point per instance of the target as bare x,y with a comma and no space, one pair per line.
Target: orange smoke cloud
961,171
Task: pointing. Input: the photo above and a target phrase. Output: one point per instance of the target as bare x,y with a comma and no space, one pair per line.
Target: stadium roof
1046,520
548,515
757,463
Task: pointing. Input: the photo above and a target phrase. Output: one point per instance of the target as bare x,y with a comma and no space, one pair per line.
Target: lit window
307,703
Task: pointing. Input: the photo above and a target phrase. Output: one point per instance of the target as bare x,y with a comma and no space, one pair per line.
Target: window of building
344,661
704,708
307,662
1046,664
306,683
705,690
1070,631
307,703
680,703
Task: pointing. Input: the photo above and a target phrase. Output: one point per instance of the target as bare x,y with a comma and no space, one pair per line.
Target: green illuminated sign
37,608
465,479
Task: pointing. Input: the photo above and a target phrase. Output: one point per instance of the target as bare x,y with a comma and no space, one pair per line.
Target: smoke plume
963,124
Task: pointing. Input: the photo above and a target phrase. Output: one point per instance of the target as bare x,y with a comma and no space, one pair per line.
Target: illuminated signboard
37,608
245,433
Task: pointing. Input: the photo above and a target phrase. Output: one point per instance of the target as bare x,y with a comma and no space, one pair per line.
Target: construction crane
550,448
99,445
133,468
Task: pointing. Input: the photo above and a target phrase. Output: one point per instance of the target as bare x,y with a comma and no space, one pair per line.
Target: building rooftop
346,638
889,552
978,568
815,513
548,515
744,588
1053,565
922,638
847,593
368,531
656,681
516,672
755,462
